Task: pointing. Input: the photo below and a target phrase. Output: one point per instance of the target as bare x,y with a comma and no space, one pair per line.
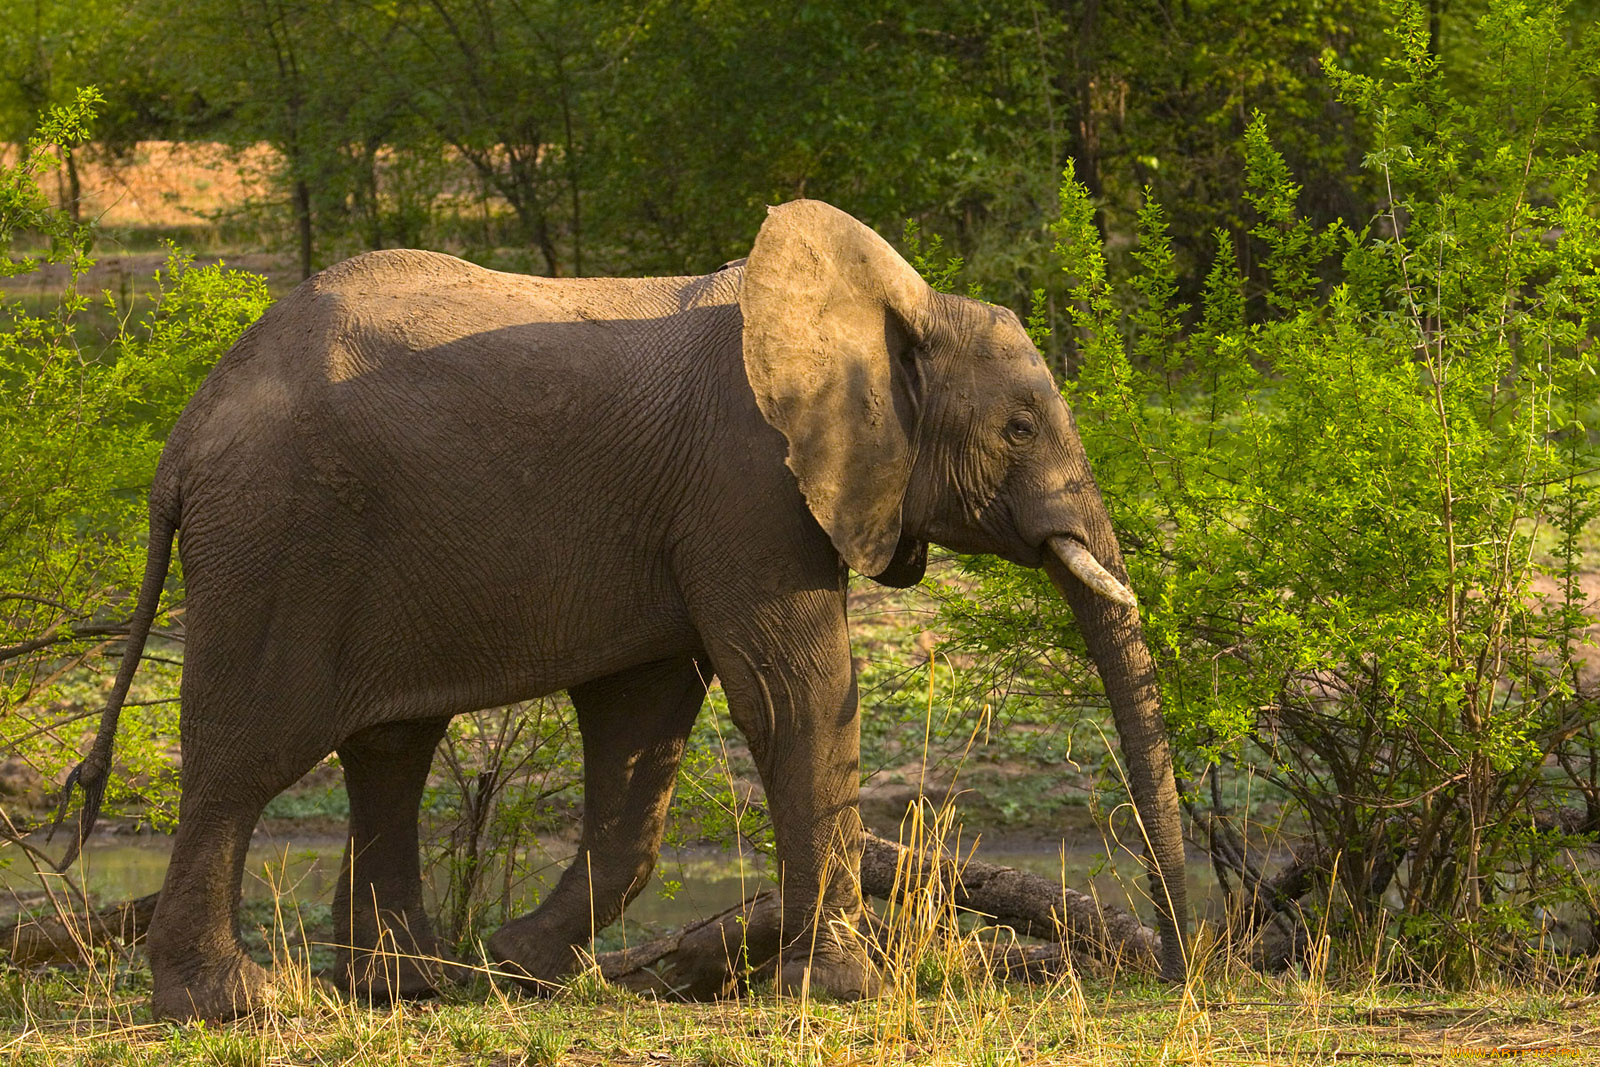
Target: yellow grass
163,184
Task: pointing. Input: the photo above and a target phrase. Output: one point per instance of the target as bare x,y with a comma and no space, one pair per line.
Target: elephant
416,487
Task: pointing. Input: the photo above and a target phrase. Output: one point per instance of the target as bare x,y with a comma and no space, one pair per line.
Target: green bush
1357,500
83,413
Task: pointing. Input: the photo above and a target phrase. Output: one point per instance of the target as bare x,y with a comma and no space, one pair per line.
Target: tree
49,49
504,83
276,71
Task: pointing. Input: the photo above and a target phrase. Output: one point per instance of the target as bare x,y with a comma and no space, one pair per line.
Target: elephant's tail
95,770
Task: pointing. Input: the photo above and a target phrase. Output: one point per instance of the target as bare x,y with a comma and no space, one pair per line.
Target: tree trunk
302,218
74,184
369,173
1085,129
546,244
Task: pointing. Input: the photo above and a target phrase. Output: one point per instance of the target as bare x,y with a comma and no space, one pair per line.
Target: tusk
1081,562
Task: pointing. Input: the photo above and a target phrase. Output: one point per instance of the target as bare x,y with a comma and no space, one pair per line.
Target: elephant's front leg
634,724
387,947
791,690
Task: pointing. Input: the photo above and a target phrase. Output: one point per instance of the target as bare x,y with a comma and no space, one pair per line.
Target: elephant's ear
832,316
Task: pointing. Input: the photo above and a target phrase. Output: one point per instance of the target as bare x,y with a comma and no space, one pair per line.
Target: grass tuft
543,1045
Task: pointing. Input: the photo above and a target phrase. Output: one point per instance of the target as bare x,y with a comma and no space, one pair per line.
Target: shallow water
305,870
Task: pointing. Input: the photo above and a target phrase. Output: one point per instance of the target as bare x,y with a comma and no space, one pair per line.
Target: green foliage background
646,136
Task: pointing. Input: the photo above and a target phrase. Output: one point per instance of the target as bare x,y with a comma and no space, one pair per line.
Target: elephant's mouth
1077,558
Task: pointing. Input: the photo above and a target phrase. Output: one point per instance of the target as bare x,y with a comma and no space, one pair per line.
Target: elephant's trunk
1111,629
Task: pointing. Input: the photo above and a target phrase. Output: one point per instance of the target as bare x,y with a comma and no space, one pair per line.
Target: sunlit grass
1221,1017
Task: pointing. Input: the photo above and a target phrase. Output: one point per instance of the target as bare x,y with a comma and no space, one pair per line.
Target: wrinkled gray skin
417,488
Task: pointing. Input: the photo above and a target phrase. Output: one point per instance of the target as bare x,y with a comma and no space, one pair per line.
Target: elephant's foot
830,970
530,953
217,992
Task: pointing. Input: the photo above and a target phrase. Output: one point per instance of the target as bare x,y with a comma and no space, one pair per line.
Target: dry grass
940,1012
164,184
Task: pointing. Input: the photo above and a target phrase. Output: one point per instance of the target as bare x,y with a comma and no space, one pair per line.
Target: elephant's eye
1020,428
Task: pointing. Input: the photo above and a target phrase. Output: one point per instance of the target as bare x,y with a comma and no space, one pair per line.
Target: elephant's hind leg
198,966
634,725
387,946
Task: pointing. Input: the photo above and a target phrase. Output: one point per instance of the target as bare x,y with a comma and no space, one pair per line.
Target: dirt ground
154,192
1587,655
166,184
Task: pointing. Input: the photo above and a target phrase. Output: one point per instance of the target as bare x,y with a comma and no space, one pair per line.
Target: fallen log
711,958
1030,904
705,960
51,941
702,961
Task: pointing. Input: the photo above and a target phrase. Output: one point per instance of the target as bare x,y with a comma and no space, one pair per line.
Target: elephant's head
914,416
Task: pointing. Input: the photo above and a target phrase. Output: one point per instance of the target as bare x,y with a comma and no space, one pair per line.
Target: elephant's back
402,300
408,421
425,336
